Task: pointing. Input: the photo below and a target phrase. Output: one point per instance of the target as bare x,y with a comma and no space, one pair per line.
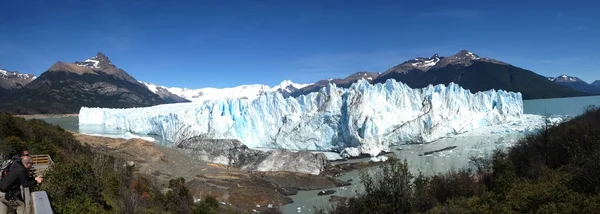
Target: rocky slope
233,187
235,154
12,80
576,83
66,87
596,83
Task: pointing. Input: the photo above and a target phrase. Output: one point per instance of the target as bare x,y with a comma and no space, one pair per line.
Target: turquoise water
571,106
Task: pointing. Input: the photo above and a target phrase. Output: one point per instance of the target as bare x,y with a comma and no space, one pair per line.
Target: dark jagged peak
95,62
596,83
465,54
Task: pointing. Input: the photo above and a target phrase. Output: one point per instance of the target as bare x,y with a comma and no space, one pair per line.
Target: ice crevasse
364,118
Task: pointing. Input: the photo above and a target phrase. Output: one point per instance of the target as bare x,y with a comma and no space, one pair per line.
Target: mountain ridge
576,83
464,68
249,91
66,87
13,79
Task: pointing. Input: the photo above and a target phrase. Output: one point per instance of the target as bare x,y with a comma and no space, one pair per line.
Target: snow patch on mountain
94,62
4,74
151,87
425,63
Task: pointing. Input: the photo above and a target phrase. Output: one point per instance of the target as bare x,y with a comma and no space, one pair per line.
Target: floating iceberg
366,117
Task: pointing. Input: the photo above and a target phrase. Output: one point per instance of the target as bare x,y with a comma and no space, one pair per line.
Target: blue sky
227,43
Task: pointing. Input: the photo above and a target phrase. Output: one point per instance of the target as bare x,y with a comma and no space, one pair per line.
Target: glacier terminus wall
363,118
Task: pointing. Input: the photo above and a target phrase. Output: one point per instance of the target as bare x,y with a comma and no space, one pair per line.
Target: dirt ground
232,187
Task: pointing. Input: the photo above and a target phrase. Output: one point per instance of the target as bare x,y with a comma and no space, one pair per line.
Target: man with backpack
5,166
17,176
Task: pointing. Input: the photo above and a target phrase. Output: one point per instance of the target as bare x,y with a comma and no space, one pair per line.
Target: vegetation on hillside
82,181
555,171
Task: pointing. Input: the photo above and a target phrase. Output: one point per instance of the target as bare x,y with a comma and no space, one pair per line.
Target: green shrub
554,171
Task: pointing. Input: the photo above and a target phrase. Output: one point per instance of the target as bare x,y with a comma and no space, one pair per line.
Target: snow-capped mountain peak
463,57
466,54
95,62
566,78
14,80
288,86
4,74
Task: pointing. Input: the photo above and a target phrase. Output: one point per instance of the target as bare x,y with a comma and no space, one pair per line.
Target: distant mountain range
11,80
577,84
467,70
252,91
96,82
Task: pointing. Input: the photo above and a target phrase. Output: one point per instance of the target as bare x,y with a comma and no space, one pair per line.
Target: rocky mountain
164,93
596,83
12,80
345,82
576,83
66,87
252,91
475,73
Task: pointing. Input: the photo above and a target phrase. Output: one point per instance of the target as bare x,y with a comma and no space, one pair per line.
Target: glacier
362,119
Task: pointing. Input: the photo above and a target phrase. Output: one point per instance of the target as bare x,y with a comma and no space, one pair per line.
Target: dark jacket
16,177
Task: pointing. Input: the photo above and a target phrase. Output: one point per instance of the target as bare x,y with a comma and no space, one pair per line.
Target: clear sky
221,43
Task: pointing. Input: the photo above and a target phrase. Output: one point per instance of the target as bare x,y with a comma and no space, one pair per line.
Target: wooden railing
41,163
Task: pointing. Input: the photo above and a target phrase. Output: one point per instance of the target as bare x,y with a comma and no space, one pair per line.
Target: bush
555,171
82,181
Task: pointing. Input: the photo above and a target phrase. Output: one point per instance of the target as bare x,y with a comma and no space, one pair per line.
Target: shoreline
44,116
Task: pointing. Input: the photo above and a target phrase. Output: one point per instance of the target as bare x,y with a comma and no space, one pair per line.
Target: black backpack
6,165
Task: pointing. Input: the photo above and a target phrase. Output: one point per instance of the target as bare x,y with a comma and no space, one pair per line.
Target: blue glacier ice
363,118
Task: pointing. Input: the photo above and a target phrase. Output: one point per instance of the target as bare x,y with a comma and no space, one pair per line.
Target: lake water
571,106
479,143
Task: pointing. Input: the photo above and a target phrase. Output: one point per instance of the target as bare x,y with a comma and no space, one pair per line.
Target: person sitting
17,177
